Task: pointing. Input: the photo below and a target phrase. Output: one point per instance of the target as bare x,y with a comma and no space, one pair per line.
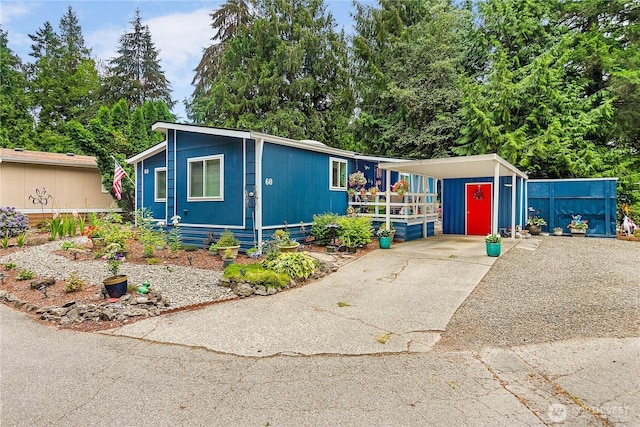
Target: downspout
175,177
257,224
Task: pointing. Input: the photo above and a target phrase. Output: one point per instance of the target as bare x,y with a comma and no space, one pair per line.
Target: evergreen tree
135,75
284,74
16,123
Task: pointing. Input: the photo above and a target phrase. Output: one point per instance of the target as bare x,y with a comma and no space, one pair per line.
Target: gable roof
43,158
305,144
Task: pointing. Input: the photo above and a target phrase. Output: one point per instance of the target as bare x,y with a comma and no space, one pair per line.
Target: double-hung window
160,190
338,174
206,178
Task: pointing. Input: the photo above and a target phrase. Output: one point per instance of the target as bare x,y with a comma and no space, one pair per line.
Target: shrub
190,248
227,239
12,222
355,229
10,266
297,265
25,275
256,274
153,261
74,283
319,229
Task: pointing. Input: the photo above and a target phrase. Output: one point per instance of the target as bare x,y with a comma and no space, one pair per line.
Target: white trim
514,185
204,159
302,145
573,179
346,176
152,151
236,227
163,126
258,190
155,184
68,210
175,175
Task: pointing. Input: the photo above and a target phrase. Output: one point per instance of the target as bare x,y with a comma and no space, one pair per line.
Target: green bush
74,283
355,229
10,266
256,274
25,275
227,239
321,233
297,265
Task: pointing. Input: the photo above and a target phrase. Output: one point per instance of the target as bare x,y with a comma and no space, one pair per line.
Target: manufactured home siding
593,199
228,212
295,185
158,209
454,203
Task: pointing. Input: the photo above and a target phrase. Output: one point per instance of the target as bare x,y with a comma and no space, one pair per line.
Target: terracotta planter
234,250
289,248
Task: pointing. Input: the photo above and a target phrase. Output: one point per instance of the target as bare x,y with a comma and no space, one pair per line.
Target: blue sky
180,30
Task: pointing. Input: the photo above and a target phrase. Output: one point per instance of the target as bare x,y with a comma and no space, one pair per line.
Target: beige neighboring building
73,182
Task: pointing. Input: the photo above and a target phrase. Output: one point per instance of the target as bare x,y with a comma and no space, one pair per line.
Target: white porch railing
409,207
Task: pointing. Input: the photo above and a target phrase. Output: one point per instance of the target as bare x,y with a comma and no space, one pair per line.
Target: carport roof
479,166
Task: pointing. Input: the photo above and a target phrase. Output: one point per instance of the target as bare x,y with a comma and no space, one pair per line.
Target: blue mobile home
248,182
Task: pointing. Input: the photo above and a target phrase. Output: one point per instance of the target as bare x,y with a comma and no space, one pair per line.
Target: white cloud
11,10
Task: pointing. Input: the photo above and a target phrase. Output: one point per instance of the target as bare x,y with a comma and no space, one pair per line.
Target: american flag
118,174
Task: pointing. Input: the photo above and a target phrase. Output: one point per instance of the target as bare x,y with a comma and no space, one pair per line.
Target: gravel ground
567,288
182,285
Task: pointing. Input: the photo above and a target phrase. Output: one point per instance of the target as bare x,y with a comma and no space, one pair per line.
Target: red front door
478,216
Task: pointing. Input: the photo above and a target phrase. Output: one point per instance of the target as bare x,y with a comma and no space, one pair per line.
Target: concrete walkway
387,301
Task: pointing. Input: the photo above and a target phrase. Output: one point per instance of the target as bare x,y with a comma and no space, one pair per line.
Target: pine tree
136,75
16,124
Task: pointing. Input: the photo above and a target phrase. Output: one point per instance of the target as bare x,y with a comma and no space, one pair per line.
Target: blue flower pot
493,249
385,242
116,286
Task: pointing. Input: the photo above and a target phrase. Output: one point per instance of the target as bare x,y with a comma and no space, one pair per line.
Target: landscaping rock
243,290
49,281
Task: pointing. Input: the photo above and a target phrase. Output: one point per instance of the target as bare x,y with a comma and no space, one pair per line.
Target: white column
387,201
258,196
496,197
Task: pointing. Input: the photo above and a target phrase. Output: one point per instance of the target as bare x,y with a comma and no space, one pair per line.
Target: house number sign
268,181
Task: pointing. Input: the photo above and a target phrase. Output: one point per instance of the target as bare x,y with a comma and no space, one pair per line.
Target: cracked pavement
300,359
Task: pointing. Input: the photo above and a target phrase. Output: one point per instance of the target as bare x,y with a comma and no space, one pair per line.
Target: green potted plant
116,284
493,243
228,241
534,224
384,237
283,241
578,226
228,257
213,249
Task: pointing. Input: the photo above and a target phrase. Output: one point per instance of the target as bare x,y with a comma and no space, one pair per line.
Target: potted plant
534,224
400,187
228,241
213,249
493,243
228,257
384,237
557,231
116,284
283,241
578,226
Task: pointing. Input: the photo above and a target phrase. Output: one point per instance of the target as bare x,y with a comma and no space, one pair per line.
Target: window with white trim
338,174
205,178
160,183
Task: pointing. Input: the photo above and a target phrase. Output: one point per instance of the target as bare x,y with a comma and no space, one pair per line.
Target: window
338,174
205,178
160,190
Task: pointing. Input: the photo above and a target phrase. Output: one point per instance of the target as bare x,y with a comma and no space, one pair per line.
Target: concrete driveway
387,301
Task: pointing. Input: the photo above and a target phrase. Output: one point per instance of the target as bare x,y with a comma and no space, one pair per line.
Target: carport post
387,201
496,196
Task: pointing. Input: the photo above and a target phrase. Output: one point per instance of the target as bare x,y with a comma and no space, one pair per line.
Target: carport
463,181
